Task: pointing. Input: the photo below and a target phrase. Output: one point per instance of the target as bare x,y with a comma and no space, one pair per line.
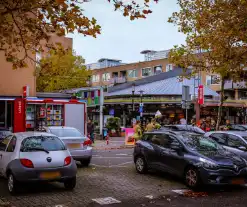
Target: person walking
90,130
149,127
137,131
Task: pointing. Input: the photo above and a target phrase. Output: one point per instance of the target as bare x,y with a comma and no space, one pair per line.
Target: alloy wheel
191,177
140,164
11,183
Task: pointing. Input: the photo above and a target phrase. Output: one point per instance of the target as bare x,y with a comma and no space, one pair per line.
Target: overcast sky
124,39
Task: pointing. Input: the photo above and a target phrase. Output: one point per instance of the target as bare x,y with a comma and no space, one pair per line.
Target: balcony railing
118,80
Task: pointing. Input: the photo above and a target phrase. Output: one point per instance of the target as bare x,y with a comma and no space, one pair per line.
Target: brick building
13,81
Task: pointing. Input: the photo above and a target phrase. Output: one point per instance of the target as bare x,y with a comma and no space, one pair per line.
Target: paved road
109,176
113,158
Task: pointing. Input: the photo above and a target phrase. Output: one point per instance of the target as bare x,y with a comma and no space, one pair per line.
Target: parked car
79,145
196,159
234,141
233,127
180,127
33,157
4,133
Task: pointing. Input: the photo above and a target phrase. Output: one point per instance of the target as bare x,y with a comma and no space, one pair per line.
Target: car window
48,143
4,134
64,132
12,144
219,137
146,137
234,141
4,142
163,140
200,143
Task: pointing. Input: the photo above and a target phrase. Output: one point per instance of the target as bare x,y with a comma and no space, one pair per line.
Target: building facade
14,83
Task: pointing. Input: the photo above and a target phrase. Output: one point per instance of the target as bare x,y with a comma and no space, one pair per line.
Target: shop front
6,113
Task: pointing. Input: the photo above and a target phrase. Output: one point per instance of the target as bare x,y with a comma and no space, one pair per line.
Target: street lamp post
133,104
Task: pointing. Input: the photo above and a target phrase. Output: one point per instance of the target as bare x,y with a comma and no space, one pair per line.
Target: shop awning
7,98
226,104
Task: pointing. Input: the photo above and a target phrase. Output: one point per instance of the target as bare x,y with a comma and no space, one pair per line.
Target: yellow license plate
74,146
50,175
238,181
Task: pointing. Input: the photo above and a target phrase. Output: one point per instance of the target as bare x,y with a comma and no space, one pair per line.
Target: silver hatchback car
35,156
78,144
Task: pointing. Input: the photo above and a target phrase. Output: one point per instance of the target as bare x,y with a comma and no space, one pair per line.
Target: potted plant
113,126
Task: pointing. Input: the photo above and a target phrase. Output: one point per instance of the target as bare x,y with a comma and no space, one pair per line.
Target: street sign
185,93
140,109
141,104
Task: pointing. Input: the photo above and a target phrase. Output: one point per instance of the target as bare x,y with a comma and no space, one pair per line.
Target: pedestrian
228,125
203,125
137,131
90,130
193,122
149,127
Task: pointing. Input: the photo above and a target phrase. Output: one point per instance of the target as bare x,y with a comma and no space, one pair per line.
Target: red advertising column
19,115
200,94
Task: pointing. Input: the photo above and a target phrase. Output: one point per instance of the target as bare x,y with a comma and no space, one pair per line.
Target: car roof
240,133
60,127
23,135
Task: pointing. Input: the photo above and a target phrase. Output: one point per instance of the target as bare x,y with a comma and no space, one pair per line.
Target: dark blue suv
188,155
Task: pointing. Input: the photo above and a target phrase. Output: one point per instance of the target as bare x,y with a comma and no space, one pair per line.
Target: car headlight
208,164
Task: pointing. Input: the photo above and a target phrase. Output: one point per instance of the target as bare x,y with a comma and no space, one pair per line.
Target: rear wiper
37,149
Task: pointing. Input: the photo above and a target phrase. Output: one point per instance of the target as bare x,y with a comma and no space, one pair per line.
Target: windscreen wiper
37,149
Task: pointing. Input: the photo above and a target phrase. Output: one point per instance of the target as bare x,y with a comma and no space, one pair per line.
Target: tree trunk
221,103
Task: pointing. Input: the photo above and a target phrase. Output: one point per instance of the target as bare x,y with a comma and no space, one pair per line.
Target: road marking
110,166
122,154
106,201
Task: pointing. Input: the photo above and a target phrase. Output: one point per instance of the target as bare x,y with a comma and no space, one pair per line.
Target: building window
169,67
106,77
157,69
146,72
212,79
95,78
132,73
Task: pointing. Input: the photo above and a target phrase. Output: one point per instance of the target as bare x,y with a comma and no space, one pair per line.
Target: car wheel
85,162
141,165
12,184
192,178
70,184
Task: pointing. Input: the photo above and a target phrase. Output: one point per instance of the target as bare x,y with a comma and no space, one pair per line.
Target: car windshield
4,134
42,143
66,132
199,143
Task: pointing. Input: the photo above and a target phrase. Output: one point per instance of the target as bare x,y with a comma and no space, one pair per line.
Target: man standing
90,130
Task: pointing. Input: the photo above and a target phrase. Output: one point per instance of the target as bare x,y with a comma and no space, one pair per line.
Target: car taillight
87,142
67,161
27,163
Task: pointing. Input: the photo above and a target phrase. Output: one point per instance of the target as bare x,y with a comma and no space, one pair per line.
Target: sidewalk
114,143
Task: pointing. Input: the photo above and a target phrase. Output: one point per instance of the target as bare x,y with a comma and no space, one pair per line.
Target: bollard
107,140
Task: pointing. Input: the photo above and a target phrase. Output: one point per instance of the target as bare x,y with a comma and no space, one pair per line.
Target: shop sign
200,94
25,91
19,115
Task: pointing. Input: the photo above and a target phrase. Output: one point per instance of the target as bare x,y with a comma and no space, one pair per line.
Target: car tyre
141,165
12,184
70,183
85,162
192,178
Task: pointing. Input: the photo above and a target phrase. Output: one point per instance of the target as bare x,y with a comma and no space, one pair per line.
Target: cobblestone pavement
122,183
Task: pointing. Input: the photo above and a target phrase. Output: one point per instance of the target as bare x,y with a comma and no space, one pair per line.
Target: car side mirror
242,148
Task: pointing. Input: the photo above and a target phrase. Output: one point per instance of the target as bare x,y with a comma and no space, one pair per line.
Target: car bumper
223,176
81,154
23,174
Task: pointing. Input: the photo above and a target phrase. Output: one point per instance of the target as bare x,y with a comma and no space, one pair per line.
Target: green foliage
113,123
60,70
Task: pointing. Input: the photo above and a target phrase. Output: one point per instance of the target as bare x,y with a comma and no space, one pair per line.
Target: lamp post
133,104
